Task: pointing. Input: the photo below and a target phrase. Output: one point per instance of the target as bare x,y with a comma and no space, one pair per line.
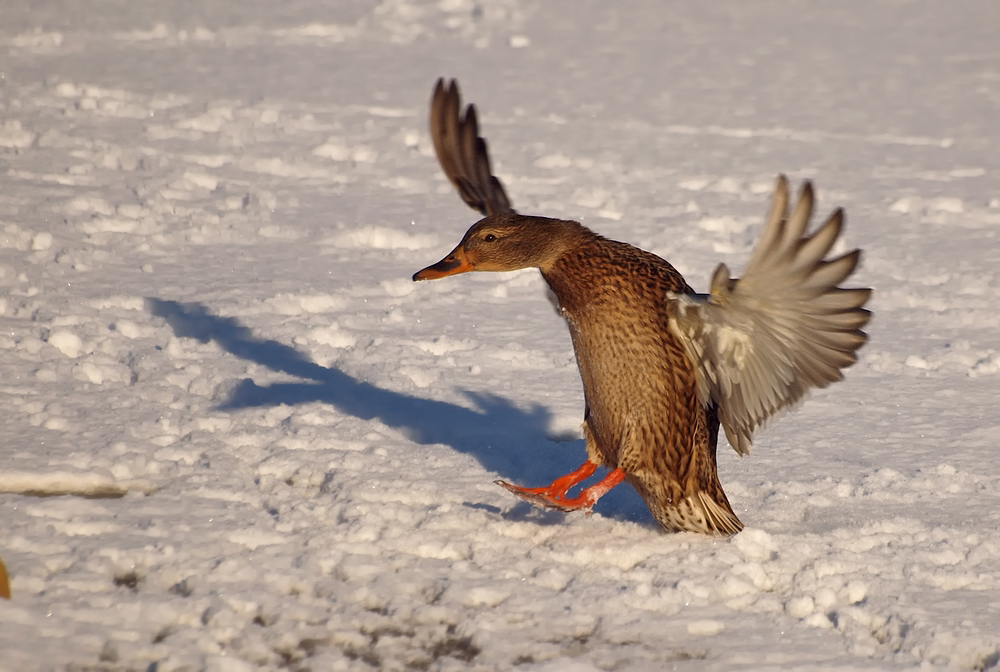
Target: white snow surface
236,436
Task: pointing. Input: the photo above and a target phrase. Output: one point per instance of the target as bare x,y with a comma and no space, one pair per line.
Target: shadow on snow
505,439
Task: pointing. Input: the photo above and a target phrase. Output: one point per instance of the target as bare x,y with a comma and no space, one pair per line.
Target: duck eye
489,238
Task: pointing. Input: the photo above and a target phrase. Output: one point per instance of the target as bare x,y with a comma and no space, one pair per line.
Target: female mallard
663,366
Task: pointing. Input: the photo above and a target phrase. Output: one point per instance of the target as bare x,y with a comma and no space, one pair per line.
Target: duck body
663,367
643,418
642,411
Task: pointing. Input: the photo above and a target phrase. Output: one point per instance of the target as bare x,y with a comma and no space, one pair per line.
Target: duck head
506,242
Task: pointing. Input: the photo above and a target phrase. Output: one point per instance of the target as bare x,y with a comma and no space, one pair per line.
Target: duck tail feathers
701,513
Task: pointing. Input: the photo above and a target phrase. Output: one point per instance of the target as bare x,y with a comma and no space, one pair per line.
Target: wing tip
462,153
722,283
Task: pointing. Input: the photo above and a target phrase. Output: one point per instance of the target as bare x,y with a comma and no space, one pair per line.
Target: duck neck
565,269
562,239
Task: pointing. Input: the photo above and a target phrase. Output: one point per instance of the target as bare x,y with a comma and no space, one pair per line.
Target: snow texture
237,437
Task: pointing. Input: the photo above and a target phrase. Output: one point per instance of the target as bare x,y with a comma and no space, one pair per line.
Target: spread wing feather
761,342
463,154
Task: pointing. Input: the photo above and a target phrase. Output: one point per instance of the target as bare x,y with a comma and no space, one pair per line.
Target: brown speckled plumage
662,365
642,409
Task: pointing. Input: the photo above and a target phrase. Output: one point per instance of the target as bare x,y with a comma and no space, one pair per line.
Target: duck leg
554,496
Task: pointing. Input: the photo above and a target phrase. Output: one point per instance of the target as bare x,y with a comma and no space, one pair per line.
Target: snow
237,437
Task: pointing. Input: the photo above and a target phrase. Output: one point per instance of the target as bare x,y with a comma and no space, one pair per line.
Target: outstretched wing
761,342
463,155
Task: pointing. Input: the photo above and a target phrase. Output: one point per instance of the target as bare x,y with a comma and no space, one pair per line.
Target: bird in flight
663,366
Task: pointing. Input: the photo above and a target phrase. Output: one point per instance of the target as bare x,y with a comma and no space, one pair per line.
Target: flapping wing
762,341
464,156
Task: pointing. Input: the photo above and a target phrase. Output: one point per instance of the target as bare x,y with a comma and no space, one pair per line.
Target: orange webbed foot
554,496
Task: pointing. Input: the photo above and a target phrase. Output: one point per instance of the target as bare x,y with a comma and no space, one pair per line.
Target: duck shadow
507,440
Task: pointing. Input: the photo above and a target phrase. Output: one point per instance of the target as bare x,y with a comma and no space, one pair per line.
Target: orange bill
453,264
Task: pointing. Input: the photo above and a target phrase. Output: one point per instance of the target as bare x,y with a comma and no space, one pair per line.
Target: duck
663,366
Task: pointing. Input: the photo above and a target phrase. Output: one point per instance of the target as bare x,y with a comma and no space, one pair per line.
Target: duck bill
453,264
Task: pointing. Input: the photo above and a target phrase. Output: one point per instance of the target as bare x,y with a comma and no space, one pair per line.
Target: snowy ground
237,437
